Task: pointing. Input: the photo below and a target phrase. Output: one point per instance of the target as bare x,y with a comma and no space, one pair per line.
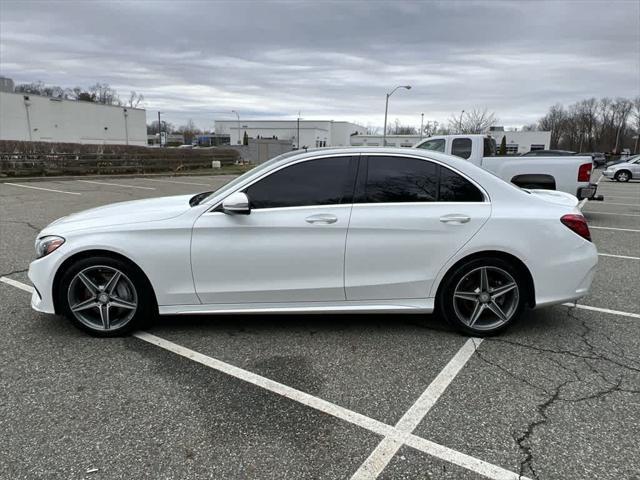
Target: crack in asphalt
28,224
13,272
557,394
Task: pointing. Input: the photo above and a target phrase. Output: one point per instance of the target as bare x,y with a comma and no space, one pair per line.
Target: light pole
386,109
238,116
421,124
159,131
126,126
460,122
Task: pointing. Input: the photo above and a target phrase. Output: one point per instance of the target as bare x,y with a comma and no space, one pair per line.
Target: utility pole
421,124
298,134
386,109
159,131
460,122
238,117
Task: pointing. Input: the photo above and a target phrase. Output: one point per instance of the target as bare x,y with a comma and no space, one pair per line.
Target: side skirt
406,305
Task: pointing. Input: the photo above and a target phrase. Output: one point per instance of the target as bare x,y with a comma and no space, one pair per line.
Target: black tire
623,176
132,283
452,307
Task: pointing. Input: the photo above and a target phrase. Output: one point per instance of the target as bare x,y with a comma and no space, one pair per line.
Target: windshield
203,197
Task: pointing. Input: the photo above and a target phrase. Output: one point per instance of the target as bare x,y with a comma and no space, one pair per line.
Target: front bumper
41,274
608,173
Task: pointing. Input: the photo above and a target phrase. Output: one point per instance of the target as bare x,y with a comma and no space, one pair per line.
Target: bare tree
189,131
636,121
398,129
372,129
555,122
474,121
134,100
103,93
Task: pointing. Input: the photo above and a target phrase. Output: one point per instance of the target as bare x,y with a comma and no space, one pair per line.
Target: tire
622,176
106,297
461,296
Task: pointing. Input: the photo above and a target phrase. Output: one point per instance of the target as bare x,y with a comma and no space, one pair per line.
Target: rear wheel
105,296
623,176
482,296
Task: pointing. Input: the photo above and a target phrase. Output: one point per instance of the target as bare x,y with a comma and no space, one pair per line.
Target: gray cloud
330,59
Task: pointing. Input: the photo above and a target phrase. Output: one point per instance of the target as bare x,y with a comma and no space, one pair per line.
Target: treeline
98,93
594,125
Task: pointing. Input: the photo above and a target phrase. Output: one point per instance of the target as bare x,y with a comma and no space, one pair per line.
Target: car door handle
455,218
322,219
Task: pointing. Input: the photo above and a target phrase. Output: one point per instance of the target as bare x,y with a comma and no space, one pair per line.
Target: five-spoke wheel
482,296
105,296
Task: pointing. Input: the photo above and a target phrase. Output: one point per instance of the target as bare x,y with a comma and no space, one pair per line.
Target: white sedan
335,230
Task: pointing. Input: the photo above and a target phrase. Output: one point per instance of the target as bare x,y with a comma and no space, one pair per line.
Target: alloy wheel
102,298
486,298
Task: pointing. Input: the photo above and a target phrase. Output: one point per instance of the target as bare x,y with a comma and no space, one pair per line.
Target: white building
392,140
313,133
520,141
36,118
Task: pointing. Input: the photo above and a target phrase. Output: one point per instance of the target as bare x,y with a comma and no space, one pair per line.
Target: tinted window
489,147
401,179
461,147
455,188
316,182
436,145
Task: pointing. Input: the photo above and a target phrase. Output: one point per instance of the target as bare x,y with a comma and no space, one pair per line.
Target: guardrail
40,164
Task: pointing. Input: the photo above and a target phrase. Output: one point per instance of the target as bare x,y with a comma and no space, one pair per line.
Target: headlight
48,244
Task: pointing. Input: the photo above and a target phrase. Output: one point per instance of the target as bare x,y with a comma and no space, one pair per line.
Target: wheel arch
625,170
64,266
519,264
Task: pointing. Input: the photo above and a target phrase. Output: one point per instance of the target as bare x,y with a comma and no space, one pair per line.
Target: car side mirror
236,204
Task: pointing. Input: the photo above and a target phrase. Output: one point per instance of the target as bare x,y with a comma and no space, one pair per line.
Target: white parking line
622,204
116,184
612,228
15,283
40,188
439,451
622,196
176,181
388,447
614,213
618,256
603,310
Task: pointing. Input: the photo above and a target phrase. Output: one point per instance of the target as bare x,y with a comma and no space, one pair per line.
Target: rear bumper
569,278
587,192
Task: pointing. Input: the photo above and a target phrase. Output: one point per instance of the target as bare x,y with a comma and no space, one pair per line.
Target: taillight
578,224
584,172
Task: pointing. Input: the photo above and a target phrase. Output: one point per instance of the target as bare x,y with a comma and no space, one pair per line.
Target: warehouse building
311,133
31,117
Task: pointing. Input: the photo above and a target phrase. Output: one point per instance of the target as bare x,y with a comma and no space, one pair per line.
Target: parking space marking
176,181
602,310
618,256
614,213
41,188
430,448
623,196
623,204
388,447
15,283
116,184
613,228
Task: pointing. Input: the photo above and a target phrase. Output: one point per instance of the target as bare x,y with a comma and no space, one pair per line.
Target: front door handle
455,218
322,219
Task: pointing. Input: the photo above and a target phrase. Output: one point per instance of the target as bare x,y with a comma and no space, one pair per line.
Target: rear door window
461,147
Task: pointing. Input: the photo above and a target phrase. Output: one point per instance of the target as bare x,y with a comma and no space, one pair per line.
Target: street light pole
421,124
386,110
460,122
238,116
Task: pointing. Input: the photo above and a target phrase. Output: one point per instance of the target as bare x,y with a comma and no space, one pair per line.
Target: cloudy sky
329,60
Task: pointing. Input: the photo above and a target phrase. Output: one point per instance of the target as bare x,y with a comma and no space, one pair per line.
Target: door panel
271,255
396,250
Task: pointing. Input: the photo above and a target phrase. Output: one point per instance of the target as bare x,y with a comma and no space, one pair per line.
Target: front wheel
622,176
105,296
482,296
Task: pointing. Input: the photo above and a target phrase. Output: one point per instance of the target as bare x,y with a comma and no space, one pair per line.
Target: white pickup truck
570,174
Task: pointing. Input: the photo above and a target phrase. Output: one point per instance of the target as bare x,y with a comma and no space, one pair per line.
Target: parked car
599,158
621,160
625,170
334,230
571,174
549,153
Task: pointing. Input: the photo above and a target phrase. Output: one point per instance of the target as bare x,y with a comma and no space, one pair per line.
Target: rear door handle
322,219
455,218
